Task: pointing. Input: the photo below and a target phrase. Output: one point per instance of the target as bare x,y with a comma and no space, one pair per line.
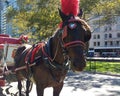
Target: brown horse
48,63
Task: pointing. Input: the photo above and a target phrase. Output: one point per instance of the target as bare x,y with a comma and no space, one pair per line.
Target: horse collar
48,58
48,47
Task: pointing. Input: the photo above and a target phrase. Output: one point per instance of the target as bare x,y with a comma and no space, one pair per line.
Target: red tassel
70,7
2,82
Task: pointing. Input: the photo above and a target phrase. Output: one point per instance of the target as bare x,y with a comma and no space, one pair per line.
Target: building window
105,29
98,36
111,43
98,43
94,43
105,43
118,27
118,35
105,36
94,37
117,43
97,30
110,28
110,35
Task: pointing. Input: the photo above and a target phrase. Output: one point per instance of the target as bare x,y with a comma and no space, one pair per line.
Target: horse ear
87,35
62,15
80,14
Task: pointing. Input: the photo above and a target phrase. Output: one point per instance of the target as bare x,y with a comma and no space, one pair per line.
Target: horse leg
57,89
27,87
40,90
20,87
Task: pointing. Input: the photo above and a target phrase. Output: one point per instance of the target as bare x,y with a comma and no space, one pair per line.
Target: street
82,84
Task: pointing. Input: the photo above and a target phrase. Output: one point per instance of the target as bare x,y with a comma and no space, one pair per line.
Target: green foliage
40,15
39,18
103,67
10,13
88,5
108,9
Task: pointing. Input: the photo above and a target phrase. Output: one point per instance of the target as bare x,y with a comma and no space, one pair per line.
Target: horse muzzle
78,65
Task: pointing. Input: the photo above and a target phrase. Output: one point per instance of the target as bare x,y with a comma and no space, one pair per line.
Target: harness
47,55
49,59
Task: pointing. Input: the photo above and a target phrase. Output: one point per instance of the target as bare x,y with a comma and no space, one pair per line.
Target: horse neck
57,50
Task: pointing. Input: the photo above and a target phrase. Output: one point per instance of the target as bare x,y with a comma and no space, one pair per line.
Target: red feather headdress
70,7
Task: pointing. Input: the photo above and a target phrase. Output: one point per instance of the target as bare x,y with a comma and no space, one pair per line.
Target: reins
47,55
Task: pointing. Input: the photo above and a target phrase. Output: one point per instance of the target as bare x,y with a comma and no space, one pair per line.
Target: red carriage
8,45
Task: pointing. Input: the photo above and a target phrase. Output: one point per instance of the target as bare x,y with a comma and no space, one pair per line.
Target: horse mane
56,32
84,23
20,50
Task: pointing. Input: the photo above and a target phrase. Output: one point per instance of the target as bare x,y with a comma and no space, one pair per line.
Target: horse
47,63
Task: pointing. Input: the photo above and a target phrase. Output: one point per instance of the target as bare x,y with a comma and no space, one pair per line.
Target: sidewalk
82,84
86,84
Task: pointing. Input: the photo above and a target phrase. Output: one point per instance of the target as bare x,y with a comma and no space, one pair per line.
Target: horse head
75,36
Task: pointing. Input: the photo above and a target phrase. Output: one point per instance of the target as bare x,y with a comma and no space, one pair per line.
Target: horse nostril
75,64
79,64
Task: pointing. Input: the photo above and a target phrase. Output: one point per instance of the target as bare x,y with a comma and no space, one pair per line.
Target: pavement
80,84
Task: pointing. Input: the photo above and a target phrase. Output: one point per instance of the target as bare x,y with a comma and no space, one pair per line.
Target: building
1,7
6,27
3,20
105,39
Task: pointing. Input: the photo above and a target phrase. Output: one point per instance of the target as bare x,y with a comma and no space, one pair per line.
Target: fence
106,65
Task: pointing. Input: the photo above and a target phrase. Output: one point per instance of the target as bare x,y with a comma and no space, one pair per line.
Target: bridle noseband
64,34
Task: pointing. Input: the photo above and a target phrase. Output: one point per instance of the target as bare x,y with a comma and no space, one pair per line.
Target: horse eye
72,25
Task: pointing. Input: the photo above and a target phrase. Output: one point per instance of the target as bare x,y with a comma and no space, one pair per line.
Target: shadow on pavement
1,90
87,81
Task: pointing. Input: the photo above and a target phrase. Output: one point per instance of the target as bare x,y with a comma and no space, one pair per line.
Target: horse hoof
22,94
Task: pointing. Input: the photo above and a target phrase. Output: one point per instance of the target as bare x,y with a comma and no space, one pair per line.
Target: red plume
70,7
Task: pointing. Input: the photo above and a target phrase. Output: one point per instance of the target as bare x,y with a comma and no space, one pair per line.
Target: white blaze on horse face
72,25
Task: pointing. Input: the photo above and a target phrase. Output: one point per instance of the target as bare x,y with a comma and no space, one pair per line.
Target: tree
109,9
87,6
38,17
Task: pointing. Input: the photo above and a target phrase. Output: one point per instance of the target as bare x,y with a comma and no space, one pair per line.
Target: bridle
71,43
72,26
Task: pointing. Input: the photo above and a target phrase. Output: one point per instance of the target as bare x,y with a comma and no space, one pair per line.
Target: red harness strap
32,52
74,43
35,50
43,51
27,55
